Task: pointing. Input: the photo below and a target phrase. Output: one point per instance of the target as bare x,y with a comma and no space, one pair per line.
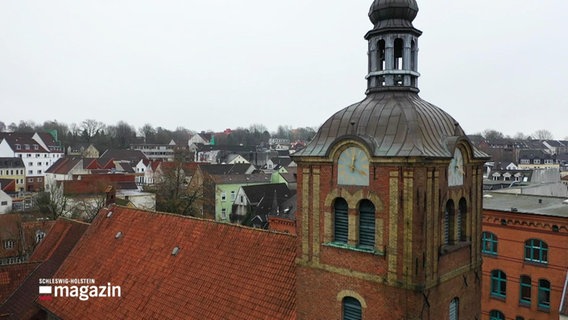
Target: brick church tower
389,197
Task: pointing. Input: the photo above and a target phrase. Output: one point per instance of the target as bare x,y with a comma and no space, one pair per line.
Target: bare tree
491,134
542,135
148,132
52,202
91,128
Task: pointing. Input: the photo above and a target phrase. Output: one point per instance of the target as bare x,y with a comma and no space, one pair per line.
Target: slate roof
241,178
11,162
287,209
216,169
63,165
133,156
209,278
47,258
22,139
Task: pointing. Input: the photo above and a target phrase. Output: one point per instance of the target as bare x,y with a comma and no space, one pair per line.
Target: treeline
121,135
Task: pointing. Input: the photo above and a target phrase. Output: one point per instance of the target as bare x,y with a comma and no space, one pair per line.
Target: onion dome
402,12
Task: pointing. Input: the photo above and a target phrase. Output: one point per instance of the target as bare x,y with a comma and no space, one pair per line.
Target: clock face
353,167
456,170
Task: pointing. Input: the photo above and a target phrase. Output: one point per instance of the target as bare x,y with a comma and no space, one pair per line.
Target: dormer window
36,147
18,147
27,146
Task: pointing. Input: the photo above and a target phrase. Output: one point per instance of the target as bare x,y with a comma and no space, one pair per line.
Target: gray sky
216,64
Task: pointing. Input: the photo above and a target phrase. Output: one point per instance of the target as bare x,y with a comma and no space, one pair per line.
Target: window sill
536,263
449,248
498,297
543,309
346,246
525,304
489,254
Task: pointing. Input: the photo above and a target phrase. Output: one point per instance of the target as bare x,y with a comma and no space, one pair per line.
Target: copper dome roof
391,124
393,9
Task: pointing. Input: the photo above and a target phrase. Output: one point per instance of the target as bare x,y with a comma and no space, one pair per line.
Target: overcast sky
216,64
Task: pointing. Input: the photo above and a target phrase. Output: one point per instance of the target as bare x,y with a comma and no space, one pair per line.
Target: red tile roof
222,271
12,276
46,259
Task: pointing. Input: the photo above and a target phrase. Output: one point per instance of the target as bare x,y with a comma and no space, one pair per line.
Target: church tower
390,197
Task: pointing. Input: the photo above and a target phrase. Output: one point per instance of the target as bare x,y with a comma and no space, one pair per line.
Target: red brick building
525,256
389,197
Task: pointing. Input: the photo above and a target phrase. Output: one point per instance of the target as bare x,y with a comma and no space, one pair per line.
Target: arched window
351,309
462,220
449,223
498,284
544,294
496,315
398,53
488,243
525,294
536,251
454,309
366,224
341,221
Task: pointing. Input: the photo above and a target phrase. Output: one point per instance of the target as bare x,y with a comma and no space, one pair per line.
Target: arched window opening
398,53
536,251
544,294
351,309
498,284
496,315
454,309
525,294
449,222
366,224
381,54
341,220
462,220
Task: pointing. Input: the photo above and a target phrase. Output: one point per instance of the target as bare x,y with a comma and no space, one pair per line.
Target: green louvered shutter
351,309
341,221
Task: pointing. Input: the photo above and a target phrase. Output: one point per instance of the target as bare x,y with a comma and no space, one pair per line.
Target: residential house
234,158
279,143
162,152
176,267
205,138
216,183
5,201
284,220
83,150
67,167
279,164
525,255
14,169
255,202
226,187
112,156
38,152
20,282
86,194
537,159
555,146
19,237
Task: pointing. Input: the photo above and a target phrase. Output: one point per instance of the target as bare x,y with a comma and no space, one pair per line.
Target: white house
5,203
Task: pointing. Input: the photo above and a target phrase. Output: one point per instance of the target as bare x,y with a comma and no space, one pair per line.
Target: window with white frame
8,244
